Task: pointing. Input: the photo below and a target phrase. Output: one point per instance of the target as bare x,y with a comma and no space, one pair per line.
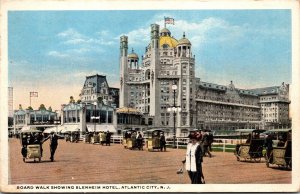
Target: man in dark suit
53,144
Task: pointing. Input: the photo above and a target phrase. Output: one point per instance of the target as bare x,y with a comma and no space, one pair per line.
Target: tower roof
184,40
133,55
165,31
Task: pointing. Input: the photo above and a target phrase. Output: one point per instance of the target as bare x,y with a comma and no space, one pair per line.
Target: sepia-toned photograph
129,96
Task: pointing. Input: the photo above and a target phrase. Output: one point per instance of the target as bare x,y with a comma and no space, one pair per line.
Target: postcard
149,96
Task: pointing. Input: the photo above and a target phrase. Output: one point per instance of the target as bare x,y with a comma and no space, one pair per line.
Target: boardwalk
80,163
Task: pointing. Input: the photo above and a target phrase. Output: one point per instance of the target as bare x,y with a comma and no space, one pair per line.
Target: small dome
133,55
165,32
184,40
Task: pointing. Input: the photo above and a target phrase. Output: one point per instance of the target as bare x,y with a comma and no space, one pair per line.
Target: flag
33,94
169,20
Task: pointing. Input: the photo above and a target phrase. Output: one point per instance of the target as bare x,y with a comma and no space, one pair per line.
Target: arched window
147,74
165,46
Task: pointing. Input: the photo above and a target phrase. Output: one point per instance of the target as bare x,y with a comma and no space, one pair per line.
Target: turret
154,71
133,60
184,47
123,70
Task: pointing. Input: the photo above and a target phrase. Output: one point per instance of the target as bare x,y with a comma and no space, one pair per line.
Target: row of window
268,98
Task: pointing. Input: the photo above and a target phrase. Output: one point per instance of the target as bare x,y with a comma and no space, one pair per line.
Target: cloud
70,33
139,36
73,37
74,45
57,54
206,30
211,30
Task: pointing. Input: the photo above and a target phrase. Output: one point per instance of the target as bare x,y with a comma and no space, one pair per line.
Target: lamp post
174,109
94,117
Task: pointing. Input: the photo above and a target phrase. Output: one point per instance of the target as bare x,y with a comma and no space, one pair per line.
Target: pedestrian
108,135
133,139
103,137
269,146
199,135
193,161
53,144
87,137
162,142
210,140
205,141
140,141
24,146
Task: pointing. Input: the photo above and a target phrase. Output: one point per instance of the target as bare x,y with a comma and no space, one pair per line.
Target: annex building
147,84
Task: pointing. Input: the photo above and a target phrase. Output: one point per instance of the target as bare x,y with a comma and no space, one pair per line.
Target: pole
174,119
94,119
29,98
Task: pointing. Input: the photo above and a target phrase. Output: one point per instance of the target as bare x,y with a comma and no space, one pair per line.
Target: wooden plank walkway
80,163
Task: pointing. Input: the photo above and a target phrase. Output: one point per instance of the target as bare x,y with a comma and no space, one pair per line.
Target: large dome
165,39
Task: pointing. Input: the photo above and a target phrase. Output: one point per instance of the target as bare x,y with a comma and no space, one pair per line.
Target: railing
224,145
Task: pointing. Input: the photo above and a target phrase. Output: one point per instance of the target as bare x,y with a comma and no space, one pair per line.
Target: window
165,46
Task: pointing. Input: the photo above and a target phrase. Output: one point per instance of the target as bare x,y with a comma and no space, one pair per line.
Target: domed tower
184,47
133,60
187,81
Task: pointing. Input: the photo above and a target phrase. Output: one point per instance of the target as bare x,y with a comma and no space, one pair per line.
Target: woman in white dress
193,160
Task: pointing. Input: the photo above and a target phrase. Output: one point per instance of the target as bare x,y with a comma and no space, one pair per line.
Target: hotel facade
147,83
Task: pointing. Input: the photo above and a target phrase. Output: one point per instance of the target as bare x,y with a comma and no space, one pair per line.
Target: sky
51,52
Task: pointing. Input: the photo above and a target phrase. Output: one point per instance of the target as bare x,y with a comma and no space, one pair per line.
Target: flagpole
29,98
165,22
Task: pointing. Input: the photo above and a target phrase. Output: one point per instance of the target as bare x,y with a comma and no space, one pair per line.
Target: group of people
38,138
269,142
136,138
101,137
199,144
72,136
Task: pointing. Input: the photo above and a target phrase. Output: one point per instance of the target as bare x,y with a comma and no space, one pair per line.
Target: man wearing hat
162,142
53,144
193,160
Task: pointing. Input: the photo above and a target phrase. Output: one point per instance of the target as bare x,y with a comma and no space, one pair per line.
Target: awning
128,110
56,129
110,128
70,128
25,128
28,129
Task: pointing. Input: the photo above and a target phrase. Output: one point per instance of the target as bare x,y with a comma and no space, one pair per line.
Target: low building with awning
130,119
40,119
